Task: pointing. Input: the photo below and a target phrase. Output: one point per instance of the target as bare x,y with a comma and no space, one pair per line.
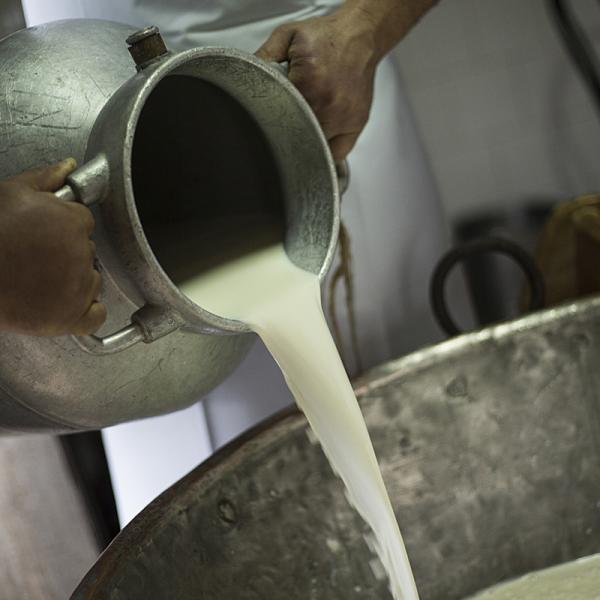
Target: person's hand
48,284
332,62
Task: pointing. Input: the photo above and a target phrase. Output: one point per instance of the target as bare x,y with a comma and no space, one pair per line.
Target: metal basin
490,447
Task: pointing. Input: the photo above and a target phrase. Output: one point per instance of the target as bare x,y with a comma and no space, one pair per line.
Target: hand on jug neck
332,60
48,284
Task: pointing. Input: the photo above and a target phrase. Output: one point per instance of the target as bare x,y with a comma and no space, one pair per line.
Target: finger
96,285
90,290
275,49
331,130
342,145
93,289
84,217
91,321
48,179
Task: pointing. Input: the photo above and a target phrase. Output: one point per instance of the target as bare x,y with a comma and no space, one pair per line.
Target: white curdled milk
282,303
577,580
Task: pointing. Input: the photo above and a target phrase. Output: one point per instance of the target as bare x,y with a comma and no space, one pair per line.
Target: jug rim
195,316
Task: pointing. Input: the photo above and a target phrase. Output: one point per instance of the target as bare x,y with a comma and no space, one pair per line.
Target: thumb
341,145
275,49
48,179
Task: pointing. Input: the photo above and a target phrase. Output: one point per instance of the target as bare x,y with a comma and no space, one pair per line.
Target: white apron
391,210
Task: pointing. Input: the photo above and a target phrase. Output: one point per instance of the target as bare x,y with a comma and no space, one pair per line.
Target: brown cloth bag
568,252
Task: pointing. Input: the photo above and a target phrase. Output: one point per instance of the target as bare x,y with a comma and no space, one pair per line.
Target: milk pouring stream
282,303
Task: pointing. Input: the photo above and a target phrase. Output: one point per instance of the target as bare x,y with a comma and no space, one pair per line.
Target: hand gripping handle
89,185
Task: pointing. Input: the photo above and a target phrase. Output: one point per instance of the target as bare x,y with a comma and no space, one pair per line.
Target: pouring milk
282,303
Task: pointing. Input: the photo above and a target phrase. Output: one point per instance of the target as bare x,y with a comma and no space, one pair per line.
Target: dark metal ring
469,249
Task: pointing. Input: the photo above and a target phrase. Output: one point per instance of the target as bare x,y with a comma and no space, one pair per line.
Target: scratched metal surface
490,448
55,81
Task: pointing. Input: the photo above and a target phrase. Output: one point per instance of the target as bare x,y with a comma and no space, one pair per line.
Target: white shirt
242,24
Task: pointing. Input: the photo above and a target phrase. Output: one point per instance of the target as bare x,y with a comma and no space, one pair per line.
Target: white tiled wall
505,117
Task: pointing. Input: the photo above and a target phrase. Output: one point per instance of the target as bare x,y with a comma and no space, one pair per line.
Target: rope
343,273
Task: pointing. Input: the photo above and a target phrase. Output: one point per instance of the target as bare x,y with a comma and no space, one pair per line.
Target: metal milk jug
182,154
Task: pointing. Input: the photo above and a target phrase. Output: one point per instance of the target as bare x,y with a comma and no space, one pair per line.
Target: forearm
390,20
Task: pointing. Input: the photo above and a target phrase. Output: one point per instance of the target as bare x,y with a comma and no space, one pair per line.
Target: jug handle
342,168
89,185
148,324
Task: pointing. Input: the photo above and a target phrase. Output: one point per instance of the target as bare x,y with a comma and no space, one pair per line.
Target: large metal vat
186,159
490,447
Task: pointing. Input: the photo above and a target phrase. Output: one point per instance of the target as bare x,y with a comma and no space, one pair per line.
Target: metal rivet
227,511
